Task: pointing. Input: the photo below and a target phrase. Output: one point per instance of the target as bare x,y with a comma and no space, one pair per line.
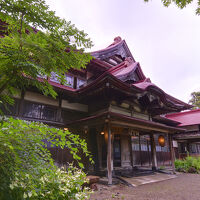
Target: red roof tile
186,118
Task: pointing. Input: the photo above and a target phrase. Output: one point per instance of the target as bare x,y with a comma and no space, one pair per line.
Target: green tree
27,170
195,100
36,42
181,4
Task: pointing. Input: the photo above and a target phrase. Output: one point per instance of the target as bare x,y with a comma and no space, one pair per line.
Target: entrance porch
119,142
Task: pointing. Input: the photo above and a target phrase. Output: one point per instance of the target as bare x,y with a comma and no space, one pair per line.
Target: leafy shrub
179,164
27,170
189,164
58,184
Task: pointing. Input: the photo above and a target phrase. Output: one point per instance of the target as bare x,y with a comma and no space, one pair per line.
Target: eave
117,119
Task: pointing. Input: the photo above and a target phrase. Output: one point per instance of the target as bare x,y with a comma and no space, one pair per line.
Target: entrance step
141,180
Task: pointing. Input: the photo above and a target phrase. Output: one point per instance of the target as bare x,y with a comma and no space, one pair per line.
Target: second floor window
54,77
39,111
69,80
80,82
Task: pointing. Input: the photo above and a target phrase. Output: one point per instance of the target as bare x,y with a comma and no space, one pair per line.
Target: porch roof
195,135
187,118
117,119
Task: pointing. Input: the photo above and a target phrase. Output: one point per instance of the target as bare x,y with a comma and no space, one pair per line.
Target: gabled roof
118,47
127,75
147,85
128,70
187,118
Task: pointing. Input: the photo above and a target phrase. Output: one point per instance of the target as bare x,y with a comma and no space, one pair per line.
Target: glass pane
80,82
69,80
54,77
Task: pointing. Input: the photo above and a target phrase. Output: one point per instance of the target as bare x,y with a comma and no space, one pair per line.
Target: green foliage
188,164
37,42
57,185
181,4
162,167
179,164
27,170
195,100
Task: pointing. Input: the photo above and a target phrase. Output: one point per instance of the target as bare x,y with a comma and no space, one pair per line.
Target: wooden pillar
99,147
148,152
131,150
197,148
153,152
21,104
140,150
172,154
188,148
112,151
59,109
109,156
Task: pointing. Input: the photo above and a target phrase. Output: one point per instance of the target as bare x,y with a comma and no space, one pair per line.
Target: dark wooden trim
109,156
140,149
131,150
21,104
148,152
172,154
54,123
99,147
59,109
153,152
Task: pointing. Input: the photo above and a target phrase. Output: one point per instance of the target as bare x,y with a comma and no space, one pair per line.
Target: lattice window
39,111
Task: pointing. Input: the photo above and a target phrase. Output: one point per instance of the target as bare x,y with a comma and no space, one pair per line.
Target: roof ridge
109,47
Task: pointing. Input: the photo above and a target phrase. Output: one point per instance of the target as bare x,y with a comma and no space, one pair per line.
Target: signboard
175,144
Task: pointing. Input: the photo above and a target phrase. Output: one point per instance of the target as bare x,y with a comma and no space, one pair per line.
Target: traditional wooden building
113,106
188,141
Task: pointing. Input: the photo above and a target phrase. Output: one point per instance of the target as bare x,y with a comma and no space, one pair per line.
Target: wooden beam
117,59
110,62
109,156
153,152
172,154
139,127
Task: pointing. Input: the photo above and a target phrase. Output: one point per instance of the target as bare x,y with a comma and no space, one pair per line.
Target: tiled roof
187,118
127,70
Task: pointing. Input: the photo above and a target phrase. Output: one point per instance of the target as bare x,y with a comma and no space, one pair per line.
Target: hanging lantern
161,140
85,128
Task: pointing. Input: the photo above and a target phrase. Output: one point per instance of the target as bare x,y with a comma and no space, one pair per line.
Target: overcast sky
166,41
